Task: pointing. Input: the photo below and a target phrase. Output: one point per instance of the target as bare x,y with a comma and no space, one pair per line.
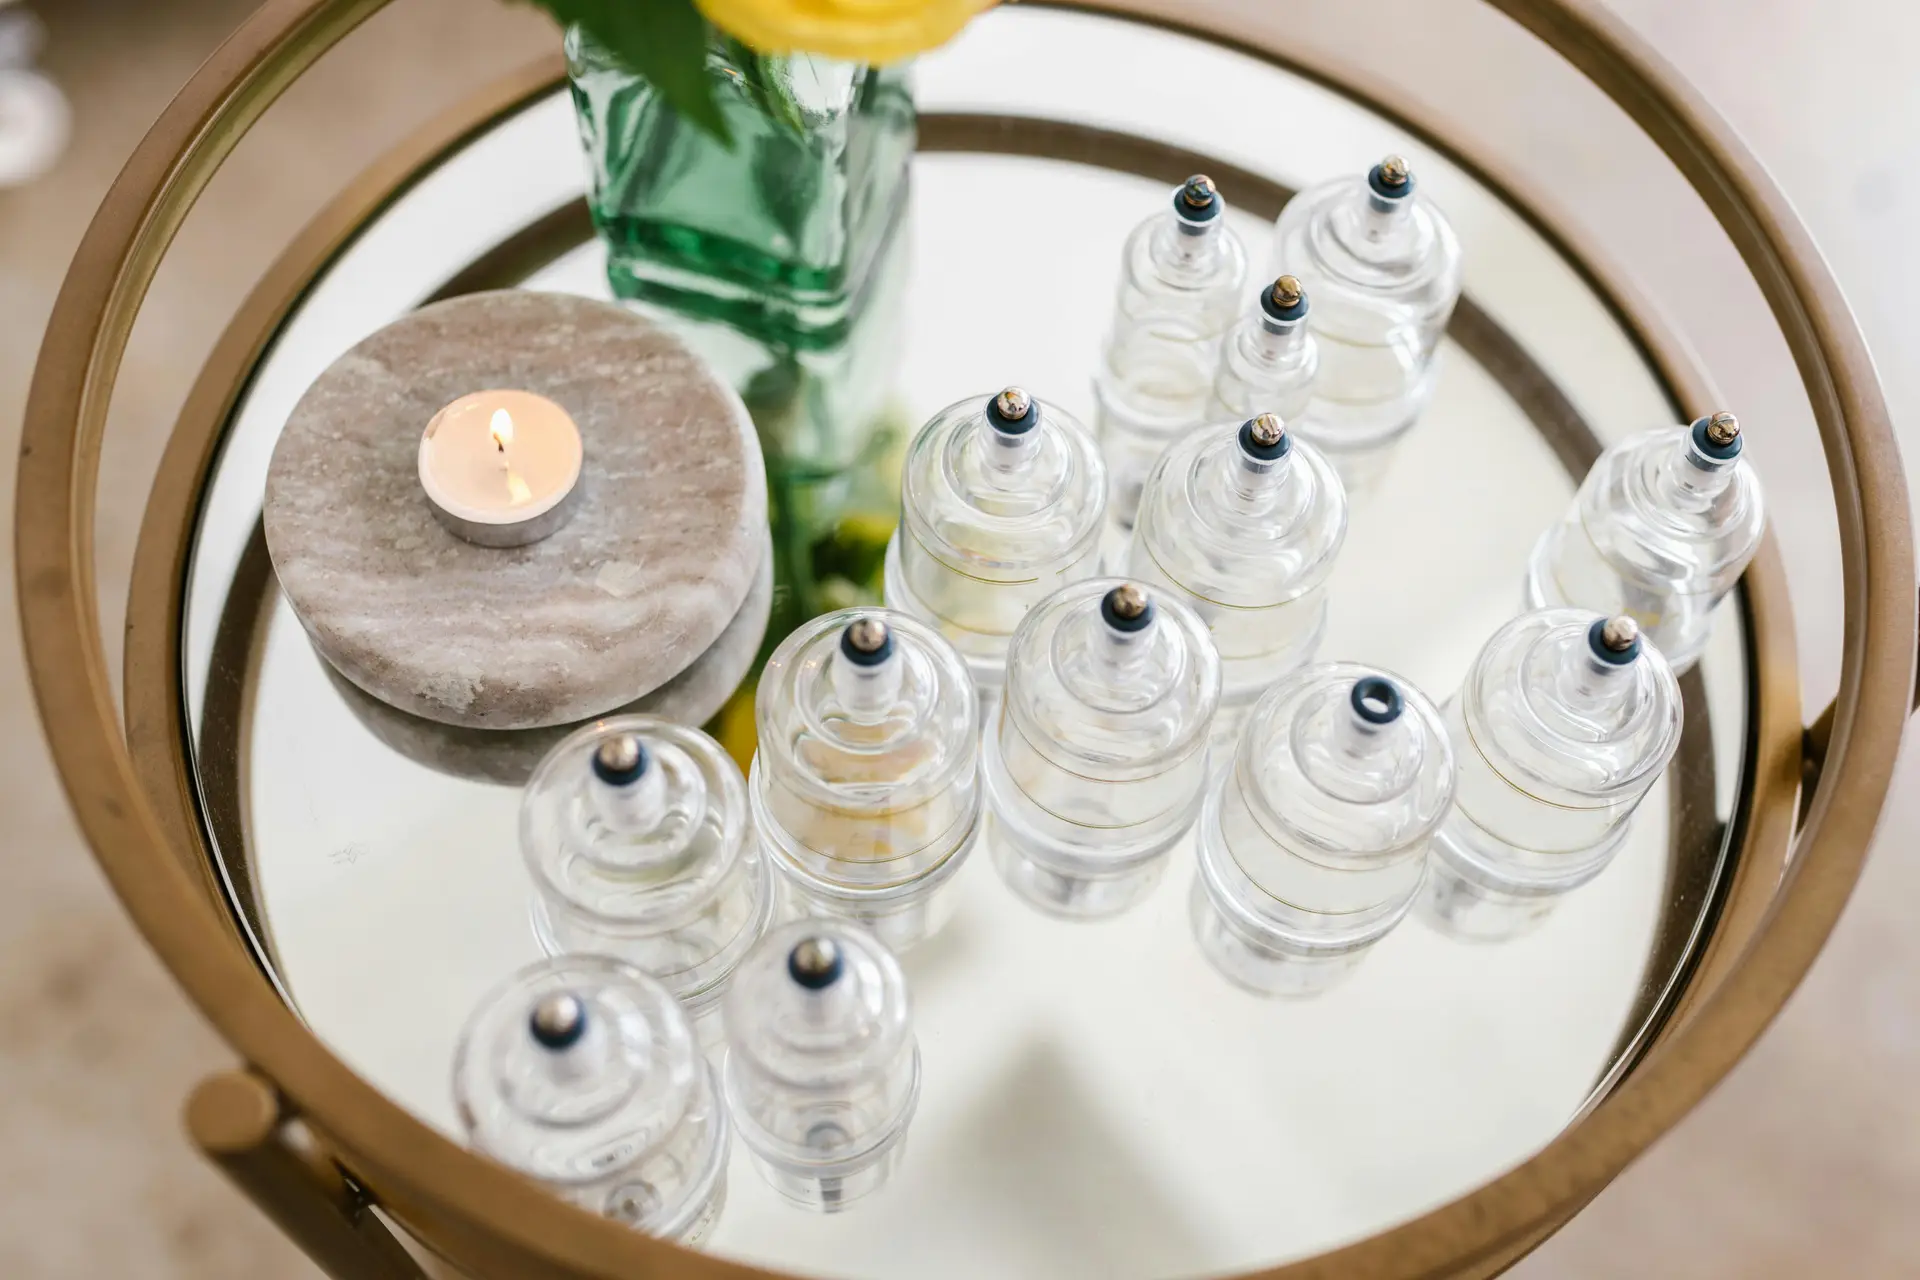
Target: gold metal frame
291,1128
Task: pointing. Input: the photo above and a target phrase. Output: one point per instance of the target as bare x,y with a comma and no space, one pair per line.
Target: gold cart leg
1813,751
235,1117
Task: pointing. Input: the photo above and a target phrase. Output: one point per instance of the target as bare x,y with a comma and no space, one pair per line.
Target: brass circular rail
490,1221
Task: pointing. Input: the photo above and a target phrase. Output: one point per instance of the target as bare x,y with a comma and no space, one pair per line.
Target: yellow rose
875,31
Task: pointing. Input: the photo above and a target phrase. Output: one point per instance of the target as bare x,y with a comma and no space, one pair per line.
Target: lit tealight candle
501,467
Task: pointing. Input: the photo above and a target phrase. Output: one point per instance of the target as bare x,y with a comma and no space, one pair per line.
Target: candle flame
502,427
517,488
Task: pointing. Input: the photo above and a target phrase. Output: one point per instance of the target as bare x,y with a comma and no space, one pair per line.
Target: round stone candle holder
508,757
667,533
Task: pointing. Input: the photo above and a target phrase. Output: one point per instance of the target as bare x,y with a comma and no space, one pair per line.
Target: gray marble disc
666,539
510,756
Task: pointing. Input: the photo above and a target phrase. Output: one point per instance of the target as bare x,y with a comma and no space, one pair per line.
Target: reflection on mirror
1119,1095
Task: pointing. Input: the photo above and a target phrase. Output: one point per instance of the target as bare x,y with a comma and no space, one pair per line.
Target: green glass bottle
833,431
777,234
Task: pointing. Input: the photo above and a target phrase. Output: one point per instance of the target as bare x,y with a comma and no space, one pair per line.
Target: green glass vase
833,431
776,233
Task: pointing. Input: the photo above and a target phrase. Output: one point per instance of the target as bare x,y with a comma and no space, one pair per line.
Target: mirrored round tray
1097,1100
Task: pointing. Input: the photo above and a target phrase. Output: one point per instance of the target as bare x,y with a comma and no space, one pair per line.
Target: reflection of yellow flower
876,31
733,725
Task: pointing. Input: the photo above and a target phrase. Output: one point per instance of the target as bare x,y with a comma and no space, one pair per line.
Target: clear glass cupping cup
1182,273
583,1073
1565,721
1663,525
1242,523
1382,265
865,787
638,838
1313,842
1270,360
1002,501
822,1071
1098,760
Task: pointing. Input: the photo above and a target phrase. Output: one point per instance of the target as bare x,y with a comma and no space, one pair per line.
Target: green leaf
776,74
662,40
767,79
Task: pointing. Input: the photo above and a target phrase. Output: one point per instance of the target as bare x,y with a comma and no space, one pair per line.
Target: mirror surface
1097,1101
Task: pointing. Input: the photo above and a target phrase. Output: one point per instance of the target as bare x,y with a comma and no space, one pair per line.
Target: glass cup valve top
1565,721
1002,500
1383,267
582,1073
640,844
1663,525
1243,524
1314,840
1270,360
865,788
1181,276
1098,760
822,1071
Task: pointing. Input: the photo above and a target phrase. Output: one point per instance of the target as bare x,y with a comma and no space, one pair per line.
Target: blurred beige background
1805,1162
